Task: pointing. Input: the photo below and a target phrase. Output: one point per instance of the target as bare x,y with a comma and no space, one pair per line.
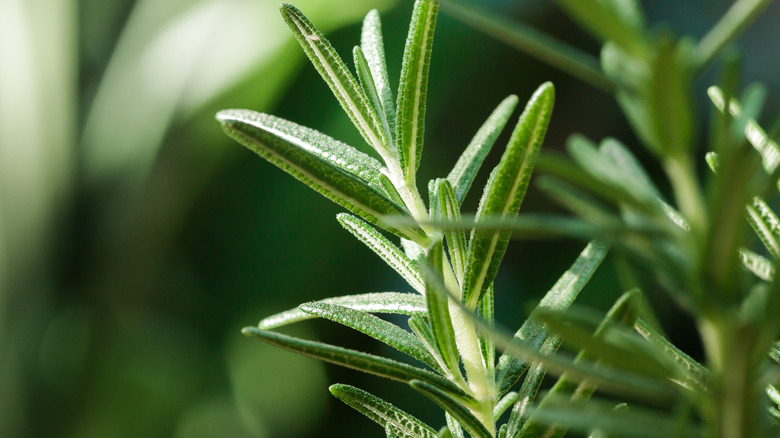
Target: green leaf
559,297
528,390
438,308
456,238
464,417
425,335
382,412
629,166
635,422
333,169
774,353
374,50
367,363
505,191
578,202
757,264
766,147
377,302
453,426
485,310
413,87
368,86
766,225
504,403
620,21
385,249
375,327
335,73
671,96
696,374
462,175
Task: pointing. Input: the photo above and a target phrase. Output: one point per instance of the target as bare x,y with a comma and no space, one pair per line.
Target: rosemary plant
618,374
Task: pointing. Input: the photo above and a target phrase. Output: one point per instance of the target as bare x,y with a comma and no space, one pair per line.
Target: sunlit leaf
377,302
505,192
385,249
464,417
367,363
462,175
413,87
382,412
456,239
373,47
375,327
438,309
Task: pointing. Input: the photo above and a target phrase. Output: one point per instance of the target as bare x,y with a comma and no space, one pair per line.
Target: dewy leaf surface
385,249
413,86
367,363
375,327
335,73
462,175
318,161
505,191
382,412
377,302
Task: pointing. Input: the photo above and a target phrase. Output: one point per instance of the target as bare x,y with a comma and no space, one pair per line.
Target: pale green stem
687,192
738,17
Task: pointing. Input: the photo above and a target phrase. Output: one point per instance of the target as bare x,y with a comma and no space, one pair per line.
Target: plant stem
736,406
738,17
556,53
687,192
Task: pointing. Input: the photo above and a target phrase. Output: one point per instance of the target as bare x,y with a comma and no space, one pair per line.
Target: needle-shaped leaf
629,164
505,191
620,21
623,312
696,374
425,335
559,297
504,403
390,253
635,422
413,86
486,311
759,265
766,147
382,412
766,225
367,363
370,91
464,417
462,175
335,73
374,50
377,302
438,308
375,327
333,169
453,426
456,238
528,390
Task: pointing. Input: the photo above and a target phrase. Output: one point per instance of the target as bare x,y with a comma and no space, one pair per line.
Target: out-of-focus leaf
385,249
528,390
367,363
505,191
464,417
757,264
620,21
299,151
671,98
766,225
382,412
375,327
377,302
339,79
766,147
559,297
696,374
413,87
462,175
635,422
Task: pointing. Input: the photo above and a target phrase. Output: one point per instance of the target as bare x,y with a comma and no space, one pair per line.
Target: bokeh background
136,239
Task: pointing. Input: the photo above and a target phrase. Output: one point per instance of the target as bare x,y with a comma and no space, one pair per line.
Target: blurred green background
136,239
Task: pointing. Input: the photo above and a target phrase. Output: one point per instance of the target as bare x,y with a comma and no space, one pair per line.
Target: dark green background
123,286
